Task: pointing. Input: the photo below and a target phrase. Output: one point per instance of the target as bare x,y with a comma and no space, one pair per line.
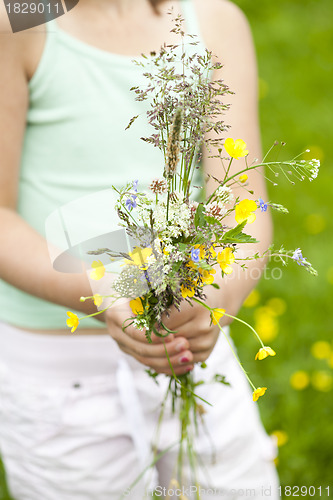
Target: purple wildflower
298,257
263,205
135,185
195,254
131,202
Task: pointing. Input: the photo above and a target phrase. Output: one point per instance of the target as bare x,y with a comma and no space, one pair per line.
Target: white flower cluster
315,164
215,209
179,218
311,165
223,194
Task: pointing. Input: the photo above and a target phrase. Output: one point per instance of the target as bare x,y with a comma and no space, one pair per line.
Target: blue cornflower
263,205
131,202
298,257
135,185
195,254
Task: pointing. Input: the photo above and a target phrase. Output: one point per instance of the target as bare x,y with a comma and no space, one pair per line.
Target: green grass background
294,40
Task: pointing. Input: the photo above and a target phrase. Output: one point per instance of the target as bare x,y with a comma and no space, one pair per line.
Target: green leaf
199,219
235,231
236,235
212,220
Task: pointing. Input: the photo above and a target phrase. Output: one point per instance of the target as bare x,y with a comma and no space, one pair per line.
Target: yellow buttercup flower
98,299
73,321
243,178
245,211
216,315
206,276
136,306
259,392
187,292
236,149
98,270
139,257
264,352
225,259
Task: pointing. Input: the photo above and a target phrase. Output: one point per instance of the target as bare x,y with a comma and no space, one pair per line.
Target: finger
159,340
174,319
180,363
146,350
204,342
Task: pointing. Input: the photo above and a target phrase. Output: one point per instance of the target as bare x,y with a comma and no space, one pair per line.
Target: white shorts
78,419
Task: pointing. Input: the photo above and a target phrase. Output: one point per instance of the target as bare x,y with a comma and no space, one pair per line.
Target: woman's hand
193,341
133,342
193,323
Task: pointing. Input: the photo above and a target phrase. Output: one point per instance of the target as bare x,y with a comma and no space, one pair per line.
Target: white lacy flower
224,194
179,219
215,209
315,164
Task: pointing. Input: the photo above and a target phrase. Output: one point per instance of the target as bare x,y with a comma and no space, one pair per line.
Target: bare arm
24,259
231,40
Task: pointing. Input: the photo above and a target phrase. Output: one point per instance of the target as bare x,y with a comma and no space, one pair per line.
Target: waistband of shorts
59,356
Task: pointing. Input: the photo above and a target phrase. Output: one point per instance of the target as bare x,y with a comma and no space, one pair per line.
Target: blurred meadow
293,313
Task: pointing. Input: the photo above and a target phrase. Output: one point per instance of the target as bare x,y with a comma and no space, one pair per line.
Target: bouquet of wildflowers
183,244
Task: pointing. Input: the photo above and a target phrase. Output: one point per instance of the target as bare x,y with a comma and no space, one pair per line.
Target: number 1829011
304,491
32,8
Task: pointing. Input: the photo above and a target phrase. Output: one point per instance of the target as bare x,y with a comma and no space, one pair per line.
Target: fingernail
184,359
180,347
190,368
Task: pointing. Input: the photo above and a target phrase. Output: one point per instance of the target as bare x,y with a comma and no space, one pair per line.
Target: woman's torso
87,29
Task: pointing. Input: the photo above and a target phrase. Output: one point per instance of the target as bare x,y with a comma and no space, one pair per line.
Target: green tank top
75,144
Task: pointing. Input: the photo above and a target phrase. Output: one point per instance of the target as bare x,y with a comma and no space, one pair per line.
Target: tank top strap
51,25
191,18
48,57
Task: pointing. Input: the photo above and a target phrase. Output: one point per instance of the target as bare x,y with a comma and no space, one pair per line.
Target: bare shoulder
22,49
223,24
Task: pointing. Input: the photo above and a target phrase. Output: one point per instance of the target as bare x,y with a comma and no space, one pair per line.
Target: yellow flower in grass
187,292
266,324
260,391
252,299
98,270
276,306
264,352
225,259
98,299
321,349
322,381
243,178
236,149
245,211
73,321
139,257
216,315
136,306
299,380
280,437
